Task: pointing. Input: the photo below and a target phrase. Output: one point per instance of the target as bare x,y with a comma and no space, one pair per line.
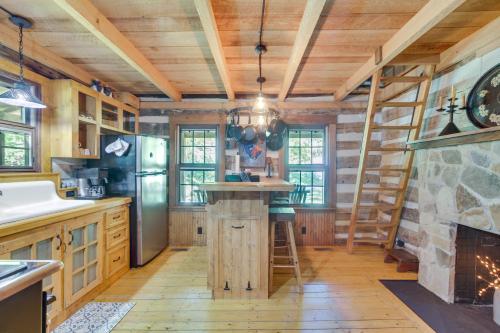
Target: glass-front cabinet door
44,244
83,257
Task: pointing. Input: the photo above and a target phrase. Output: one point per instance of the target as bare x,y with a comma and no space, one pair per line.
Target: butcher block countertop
266,186
43,220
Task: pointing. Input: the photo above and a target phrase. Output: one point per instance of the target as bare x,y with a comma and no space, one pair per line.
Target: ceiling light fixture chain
260,104
21,54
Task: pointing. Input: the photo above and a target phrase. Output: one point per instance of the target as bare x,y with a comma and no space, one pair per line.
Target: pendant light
20,94
260,105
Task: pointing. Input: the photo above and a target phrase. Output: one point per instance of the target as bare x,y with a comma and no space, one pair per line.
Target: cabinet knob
227,286
248,287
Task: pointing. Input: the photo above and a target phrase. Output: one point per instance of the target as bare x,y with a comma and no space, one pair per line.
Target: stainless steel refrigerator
142,174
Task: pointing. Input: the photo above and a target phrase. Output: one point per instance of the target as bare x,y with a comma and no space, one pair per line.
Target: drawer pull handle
116,217
71,239
117,236
237,227
226,287
249,288
117,259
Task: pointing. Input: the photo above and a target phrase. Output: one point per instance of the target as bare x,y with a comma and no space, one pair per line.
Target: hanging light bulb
260,105
20,94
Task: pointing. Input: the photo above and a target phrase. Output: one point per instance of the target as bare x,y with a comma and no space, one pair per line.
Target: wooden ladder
386,232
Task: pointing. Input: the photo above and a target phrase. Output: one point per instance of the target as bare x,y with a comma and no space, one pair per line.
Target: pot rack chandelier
260,105
20,94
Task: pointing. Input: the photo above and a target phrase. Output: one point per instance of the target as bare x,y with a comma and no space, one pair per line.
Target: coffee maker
91,183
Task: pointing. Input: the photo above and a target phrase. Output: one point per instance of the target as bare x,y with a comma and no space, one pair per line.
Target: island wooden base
238,244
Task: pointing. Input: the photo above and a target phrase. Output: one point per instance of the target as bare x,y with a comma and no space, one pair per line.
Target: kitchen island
238,237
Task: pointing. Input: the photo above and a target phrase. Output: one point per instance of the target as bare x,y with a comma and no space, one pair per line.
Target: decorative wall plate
483,102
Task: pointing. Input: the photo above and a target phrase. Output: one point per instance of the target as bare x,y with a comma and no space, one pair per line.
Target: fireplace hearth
471,243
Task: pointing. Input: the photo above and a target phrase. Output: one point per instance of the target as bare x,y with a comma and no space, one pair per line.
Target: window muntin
306,162
197,162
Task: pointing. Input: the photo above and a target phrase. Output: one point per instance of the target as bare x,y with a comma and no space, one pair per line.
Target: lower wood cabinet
40,244
83,257
94,253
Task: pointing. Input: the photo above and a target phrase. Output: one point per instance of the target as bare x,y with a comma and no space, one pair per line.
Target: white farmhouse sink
23,200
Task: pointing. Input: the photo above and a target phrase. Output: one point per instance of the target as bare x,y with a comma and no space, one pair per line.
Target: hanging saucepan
277,125
274,141
234,130
262,129
249,134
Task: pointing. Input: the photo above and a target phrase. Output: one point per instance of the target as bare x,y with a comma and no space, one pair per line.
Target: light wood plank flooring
341,294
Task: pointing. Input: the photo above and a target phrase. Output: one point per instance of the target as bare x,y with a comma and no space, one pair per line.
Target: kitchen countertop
267,186
36,271
35,222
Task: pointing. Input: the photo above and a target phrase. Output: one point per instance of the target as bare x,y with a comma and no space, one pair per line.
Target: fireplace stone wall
456,185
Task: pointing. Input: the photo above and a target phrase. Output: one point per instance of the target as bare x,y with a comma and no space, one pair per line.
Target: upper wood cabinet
81,114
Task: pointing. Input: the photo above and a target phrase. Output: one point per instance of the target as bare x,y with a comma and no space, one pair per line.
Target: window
307,163
197,162
17,135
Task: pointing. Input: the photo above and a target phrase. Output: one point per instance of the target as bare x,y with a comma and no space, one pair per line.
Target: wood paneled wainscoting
187,227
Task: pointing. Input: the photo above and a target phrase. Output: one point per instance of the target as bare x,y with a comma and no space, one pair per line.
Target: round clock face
483,102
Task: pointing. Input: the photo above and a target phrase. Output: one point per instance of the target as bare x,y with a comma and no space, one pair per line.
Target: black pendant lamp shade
20,94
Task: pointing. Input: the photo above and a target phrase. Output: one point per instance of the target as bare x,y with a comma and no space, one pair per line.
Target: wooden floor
342,294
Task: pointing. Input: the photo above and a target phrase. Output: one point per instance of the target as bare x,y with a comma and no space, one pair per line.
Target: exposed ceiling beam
10,38
207,18
309,20
222,105
84,12
424,20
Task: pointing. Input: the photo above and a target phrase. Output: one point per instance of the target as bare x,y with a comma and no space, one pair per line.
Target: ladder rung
399,104
370,240
394,127
282,257
382,188
404,78
387,169
389,149
283,266
378,206
281,247
374,224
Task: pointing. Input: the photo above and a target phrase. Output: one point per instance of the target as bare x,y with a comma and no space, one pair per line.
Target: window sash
310,167
191,166
29,146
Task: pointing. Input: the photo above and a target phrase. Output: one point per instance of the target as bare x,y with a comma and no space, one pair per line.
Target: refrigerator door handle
150,173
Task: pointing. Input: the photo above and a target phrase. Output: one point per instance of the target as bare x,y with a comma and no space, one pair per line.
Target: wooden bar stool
284,216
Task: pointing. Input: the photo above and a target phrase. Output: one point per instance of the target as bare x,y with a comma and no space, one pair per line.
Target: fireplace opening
471,243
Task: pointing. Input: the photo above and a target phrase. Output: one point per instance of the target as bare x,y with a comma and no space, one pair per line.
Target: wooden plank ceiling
171,36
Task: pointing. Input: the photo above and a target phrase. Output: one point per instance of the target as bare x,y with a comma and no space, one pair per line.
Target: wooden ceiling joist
309,20
207,18
10,39
425,19
222,105
84,12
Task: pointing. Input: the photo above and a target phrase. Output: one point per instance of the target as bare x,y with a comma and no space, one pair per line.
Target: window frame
7,80
194,166
324,167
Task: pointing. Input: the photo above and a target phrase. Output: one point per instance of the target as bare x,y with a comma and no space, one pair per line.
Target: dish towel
119,147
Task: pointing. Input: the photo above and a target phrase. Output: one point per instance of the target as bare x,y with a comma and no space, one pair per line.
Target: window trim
8,79
325,167
194,166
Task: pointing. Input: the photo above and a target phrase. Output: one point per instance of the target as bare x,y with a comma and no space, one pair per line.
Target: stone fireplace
457,186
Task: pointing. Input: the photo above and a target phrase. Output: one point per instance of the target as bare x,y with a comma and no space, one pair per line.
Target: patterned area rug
95,317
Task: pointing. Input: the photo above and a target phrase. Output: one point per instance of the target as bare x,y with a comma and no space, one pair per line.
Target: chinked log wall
322,227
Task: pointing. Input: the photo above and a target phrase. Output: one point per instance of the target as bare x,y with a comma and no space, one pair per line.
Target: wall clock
483,102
